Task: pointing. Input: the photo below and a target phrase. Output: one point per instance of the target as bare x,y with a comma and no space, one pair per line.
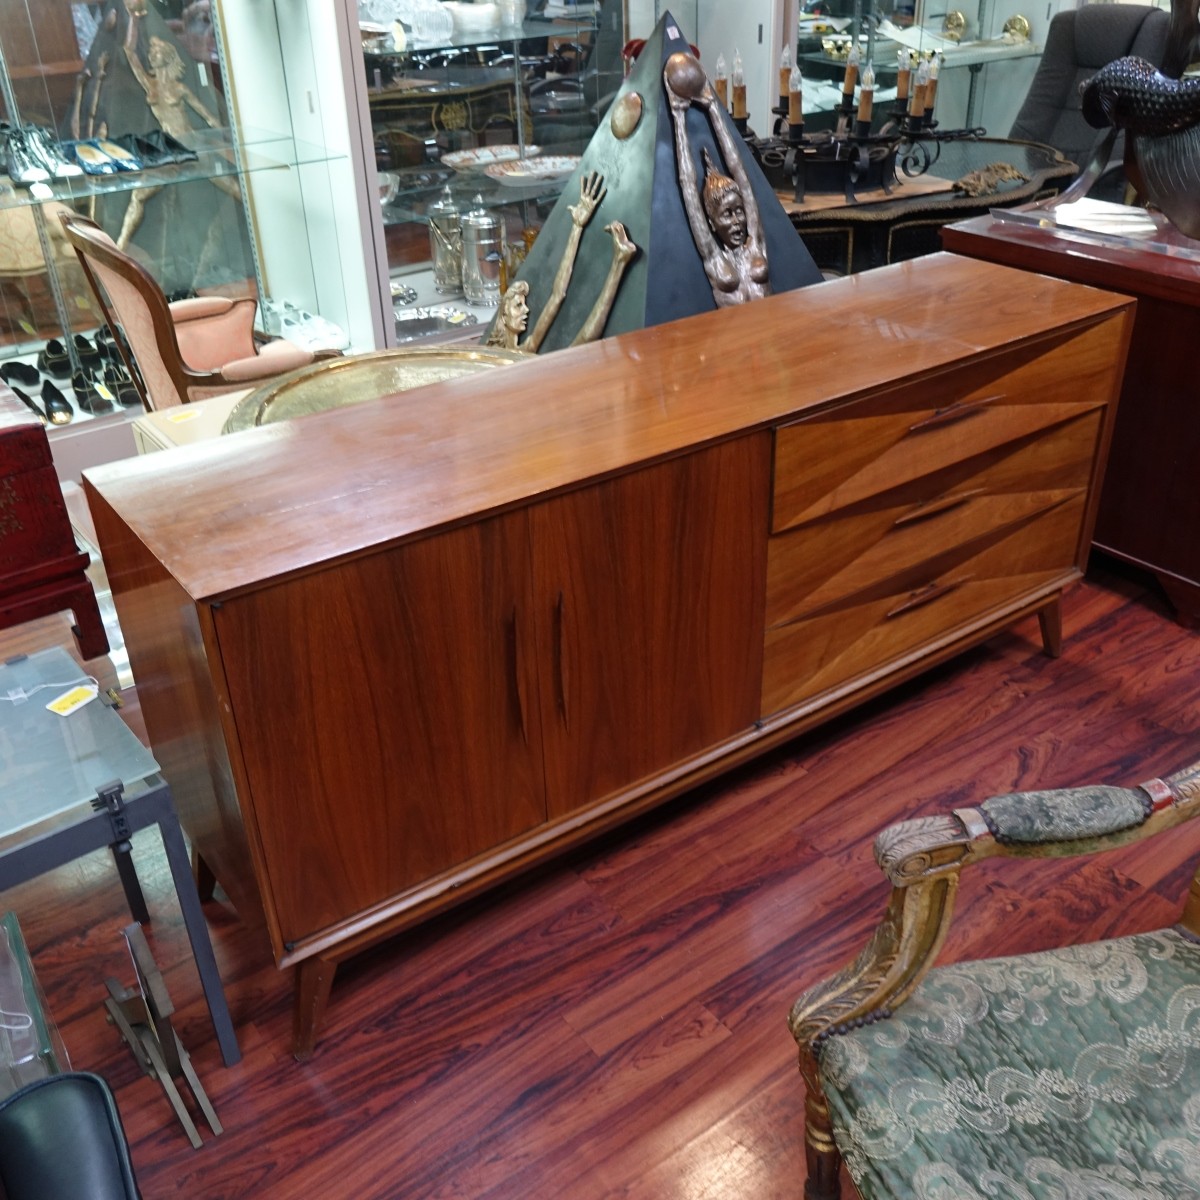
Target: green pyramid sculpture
634,150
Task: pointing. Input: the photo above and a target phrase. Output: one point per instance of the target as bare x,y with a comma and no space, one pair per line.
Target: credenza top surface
229,514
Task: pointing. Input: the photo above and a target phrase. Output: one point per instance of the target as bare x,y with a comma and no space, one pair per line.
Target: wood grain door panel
865,631
874,445
894,536
650,617
429,648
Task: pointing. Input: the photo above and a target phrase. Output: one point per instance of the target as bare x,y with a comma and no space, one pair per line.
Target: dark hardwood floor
615,1025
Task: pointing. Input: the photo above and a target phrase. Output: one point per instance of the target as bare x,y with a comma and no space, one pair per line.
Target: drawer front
866,631
900,539
905,439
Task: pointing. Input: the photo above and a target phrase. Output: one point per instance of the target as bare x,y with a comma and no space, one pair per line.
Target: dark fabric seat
1080,42
61,1138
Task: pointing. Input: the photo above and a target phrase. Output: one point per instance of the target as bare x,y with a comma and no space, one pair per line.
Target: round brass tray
340,382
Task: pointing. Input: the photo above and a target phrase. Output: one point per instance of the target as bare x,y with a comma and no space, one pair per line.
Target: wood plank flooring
614,1026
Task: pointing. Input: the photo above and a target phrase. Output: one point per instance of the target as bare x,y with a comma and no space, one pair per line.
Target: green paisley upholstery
1068,1075
1067,814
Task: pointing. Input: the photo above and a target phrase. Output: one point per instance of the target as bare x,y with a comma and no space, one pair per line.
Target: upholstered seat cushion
1068,1075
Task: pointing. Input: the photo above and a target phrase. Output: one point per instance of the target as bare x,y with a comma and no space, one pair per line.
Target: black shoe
58,407
86,396
122,387
169,148
28,402
89,355
54,360
19,372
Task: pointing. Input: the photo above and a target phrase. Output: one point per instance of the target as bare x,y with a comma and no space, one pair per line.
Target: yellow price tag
71,700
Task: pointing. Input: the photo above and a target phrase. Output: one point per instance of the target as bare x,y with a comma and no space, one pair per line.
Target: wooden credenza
391,655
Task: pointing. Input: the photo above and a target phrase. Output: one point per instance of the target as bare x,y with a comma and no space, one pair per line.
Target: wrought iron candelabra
853,156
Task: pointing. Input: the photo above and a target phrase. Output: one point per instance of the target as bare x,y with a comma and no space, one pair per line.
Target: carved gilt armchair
1069,1074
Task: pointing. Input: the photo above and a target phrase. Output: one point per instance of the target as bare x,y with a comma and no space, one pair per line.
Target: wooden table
844,238
393,654
1149,510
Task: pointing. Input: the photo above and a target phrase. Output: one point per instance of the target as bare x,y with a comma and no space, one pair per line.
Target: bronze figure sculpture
167,96
722,211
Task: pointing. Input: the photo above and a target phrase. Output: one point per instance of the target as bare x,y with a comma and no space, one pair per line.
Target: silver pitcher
445,244
482,250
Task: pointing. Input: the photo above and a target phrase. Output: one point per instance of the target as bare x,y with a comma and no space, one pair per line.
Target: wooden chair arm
923,857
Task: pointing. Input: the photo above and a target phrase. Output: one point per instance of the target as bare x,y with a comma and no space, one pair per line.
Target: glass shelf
260,151
530,29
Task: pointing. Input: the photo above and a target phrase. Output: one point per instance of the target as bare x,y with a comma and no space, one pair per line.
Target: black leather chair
1079,42
61,1138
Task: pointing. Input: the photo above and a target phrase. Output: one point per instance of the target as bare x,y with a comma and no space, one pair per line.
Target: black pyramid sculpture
666,280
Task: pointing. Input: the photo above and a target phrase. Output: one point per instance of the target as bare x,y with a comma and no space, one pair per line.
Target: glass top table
49,763
74,779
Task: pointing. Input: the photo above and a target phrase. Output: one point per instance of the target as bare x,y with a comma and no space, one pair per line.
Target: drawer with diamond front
916,436
892,538
885,624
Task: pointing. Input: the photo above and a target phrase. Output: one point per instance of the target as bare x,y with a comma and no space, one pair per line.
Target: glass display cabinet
193,160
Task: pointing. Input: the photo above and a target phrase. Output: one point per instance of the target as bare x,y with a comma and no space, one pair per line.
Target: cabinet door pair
401,714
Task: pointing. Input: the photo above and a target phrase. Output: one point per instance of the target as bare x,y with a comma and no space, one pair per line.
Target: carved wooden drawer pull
954,412
931,508
926,595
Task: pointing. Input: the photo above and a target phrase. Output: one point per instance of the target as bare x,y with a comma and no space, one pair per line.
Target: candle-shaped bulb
795,97
738,80
916,105
851,76
721,80
866,96
931,85
785,70
903,75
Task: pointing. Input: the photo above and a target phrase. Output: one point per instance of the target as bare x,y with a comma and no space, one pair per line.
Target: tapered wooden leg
314,980
821,1154
1050,619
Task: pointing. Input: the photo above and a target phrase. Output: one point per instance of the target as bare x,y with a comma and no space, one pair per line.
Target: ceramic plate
523,171
485,156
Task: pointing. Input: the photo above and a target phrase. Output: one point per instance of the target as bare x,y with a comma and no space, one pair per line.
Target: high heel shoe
23,166
86,396
45,149
28,402
58,407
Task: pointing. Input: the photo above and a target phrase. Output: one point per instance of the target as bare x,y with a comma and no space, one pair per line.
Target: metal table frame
118,812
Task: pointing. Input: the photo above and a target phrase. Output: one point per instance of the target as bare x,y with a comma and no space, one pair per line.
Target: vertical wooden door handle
515,672
561,677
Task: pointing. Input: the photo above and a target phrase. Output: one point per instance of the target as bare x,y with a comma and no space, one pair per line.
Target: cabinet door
385,713
650,617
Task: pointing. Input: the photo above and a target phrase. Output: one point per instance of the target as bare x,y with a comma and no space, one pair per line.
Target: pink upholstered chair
183,351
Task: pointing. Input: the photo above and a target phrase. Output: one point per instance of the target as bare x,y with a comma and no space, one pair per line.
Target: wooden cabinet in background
391,655
1149,509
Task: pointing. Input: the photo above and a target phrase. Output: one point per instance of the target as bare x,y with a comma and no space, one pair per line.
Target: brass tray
340,382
